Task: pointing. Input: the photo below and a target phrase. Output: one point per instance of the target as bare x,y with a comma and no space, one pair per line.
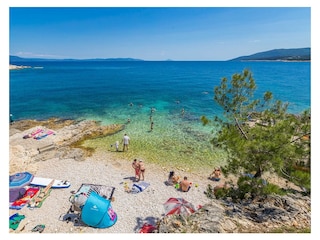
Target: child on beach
117,146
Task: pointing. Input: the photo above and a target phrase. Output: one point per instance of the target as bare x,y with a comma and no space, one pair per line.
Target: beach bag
78,200
16,193
97,212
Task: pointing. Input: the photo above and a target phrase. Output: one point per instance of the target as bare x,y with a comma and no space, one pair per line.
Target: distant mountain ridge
15,59
291,54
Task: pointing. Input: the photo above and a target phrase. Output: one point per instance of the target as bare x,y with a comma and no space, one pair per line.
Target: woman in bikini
142,170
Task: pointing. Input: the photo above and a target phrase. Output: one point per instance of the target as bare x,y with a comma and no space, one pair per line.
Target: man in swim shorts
136,168
125,141
185,185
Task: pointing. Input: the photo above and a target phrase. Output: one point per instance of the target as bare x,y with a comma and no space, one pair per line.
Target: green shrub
272,189
302,178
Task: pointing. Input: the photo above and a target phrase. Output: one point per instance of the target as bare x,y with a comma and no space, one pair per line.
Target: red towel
26,197
147,228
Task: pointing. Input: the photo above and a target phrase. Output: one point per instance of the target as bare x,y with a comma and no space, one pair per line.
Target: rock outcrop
66,142
289,213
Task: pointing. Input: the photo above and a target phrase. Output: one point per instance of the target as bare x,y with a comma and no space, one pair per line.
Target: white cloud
37,55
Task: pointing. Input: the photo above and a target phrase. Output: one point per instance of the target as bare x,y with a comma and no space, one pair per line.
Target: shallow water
174,142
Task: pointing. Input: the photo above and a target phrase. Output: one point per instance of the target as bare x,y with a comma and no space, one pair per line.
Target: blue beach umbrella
19,180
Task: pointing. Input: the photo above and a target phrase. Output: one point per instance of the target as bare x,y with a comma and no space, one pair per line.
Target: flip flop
39,228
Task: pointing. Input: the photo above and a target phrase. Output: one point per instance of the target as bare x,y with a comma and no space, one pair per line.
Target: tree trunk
258,173
239,127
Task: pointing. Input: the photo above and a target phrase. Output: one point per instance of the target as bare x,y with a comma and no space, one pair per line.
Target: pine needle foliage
258,134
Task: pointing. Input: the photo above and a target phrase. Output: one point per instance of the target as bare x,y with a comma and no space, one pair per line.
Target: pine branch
241,130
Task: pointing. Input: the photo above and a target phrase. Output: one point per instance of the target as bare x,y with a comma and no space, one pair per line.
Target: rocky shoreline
17,67
67,159
66,142
272,214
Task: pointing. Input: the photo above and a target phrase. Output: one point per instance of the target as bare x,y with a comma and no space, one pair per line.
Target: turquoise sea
115,91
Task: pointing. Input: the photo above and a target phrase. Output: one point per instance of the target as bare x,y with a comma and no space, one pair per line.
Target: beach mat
37,204
139,187
37,201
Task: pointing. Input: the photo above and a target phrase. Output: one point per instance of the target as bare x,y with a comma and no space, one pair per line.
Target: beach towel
28,195
34,133
15,220
147,228
37,201
139,187
45,134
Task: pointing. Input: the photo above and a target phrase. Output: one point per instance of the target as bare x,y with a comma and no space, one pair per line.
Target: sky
156,33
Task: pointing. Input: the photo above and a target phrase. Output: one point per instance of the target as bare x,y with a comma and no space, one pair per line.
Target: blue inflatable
97,212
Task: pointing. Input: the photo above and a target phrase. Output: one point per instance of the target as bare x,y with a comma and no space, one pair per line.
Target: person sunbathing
185,185
172,179
216,174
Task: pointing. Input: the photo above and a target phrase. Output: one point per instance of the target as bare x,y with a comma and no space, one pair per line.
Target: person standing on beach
136,168
125,141
151,127
141,170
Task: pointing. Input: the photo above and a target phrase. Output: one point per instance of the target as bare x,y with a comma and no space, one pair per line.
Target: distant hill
292,54
15,59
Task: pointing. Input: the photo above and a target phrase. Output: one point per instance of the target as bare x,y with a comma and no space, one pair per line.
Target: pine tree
258,134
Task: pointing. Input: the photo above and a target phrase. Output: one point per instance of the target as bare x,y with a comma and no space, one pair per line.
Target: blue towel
139,187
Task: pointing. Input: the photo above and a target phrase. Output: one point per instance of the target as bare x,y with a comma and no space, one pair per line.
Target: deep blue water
103,91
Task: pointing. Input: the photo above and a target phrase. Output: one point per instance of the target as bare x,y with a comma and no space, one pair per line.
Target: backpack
78,200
